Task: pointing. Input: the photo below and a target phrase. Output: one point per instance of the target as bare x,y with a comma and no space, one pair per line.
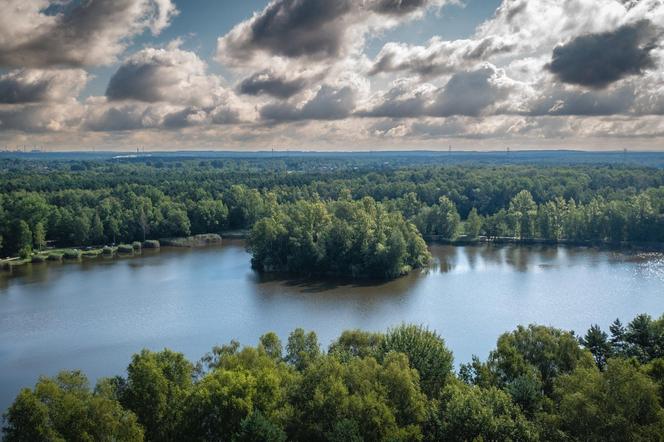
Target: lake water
94,315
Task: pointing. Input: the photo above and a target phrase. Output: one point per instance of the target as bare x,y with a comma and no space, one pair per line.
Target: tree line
539,383
73,203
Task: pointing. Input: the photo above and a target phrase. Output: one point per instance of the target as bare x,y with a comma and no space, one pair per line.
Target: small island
357,239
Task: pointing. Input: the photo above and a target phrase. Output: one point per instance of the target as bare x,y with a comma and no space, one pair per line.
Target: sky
332,75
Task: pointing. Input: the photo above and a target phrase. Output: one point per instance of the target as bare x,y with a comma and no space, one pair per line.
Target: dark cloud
597,60
294,28
329,103
75,33
398,7
269,83
135,81
170,75
35,85
309,28
562,101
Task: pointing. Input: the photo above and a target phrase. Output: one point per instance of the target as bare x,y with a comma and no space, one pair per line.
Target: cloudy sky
332,75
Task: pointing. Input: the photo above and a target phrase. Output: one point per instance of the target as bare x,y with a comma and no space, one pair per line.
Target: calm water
96,314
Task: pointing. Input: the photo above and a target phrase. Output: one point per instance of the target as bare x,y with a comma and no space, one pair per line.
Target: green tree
426,353
157,384
523,211
302,348
473,224
617,404
473,413
597,342
23,237
64,408
39,236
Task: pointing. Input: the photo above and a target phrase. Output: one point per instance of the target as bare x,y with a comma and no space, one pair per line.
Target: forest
539,383
77,203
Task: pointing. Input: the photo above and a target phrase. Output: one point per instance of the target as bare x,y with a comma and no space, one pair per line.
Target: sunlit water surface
94,315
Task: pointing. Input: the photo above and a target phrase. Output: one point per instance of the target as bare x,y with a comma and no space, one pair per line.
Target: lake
95,314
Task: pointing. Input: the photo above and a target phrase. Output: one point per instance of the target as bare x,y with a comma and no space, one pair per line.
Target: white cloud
75,33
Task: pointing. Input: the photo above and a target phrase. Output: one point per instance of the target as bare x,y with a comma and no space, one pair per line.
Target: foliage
426,353
538,384
360,239
121,201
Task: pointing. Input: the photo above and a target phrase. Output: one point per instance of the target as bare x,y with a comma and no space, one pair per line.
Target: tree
474,413
97,230
63,408
302,348
473,224
617,404
597,342
523,211
157,384
426,353
23,237
39,236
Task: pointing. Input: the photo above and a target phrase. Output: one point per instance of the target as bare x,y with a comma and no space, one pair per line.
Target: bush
25,252
136,245
54,257
151,244
37,259
72,254
107,251
125,249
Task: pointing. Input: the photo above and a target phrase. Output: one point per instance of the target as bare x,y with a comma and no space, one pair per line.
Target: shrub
151,244
54,257
107,250
125,249
38,259
136,245
72,254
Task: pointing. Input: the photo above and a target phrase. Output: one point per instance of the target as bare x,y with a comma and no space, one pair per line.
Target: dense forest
73,203
539,383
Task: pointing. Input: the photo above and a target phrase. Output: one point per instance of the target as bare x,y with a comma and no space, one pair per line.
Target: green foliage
359,239
157,385
441,219
617,404
302,349
426,353
64,409
111,201
527,361
538,384
126,249
473,224
474,413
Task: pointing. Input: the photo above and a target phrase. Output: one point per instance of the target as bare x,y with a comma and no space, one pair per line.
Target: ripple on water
651,265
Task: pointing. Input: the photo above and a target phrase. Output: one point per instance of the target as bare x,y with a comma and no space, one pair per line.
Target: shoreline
208,240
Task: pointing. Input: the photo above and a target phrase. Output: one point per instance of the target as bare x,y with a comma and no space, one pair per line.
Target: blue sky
343,75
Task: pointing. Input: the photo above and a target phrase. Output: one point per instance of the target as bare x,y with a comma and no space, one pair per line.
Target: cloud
36,85
317,29
41,118
165,75
43,33
329,103
467,93
597,60
437,57
268,82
